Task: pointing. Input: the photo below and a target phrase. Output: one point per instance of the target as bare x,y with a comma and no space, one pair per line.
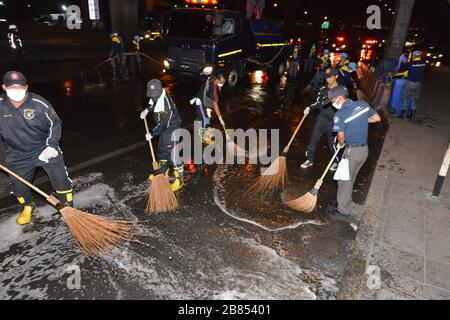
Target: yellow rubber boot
178,172
25,216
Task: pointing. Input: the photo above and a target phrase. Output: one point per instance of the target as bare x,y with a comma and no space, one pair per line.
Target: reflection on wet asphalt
219,244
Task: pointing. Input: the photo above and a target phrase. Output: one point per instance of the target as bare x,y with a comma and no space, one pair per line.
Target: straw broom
307,202
161,198
94,234
275,175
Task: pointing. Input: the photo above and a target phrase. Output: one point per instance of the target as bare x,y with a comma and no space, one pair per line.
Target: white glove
209,112
221,121
144,114
48,154
306,111
148,137
197,101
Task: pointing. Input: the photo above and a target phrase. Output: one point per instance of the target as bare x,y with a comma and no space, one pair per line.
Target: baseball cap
344,55
14,78
333,72
154,88
337,92
417,53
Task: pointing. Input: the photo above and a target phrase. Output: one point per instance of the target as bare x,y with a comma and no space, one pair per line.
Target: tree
399,29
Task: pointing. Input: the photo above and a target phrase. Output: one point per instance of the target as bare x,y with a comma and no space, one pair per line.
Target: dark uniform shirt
416,69
321,103
208,93
166,119
14,41
352,119
31,127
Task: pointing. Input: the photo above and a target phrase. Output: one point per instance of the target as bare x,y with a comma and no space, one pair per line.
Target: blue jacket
416,69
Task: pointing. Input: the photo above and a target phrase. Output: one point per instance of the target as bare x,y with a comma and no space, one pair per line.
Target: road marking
88,163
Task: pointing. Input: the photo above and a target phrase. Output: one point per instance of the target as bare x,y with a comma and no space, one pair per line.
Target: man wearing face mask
206,101
351,123
324,122
31,131
167,121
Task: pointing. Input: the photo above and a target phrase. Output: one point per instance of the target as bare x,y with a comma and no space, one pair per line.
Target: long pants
166,145
293,68
136,64
18,53
203,115
411,90
323,125
356,158
25,164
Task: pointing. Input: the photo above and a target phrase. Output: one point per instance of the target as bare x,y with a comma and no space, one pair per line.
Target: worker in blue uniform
351,124
413,85
31,130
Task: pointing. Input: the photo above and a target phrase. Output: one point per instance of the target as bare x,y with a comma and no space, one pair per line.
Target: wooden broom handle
331,162
42,193
286,149
155,164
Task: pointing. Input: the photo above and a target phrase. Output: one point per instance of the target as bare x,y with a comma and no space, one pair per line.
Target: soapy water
36,261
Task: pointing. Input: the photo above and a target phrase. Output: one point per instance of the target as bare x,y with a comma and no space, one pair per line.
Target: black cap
14,77
333,72
154,88
337,92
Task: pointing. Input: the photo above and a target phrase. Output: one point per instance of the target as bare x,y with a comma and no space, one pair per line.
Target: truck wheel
232,77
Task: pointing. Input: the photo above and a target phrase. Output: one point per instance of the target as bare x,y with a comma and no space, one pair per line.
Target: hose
268,62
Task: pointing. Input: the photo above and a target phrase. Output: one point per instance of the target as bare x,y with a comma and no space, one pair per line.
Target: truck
200,41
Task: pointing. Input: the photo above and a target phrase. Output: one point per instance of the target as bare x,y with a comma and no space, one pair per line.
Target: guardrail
371,88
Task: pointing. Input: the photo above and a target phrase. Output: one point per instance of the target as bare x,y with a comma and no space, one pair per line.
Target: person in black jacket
324,122
167,121
31,130
16,46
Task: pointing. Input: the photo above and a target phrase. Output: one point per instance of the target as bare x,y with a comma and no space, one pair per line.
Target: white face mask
16,94
337,105
220,85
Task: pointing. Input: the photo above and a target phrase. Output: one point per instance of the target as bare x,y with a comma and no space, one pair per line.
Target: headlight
207,70
166,64
147,36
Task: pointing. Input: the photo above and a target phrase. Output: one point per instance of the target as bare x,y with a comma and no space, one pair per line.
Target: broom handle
330,163
155,164
42,193
286,149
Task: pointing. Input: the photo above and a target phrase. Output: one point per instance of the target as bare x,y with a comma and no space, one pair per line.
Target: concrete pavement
404,236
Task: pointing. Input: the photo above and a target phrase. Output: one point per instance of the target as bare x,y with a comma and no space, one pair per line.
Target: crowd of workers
31,129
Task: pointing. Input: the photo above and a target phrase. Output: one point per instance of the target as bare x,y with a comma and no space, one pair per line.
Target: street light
275,5
64,7
306,12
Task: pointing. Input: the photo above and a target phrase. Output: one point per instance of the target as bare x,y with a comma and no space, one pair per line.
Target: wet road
218,245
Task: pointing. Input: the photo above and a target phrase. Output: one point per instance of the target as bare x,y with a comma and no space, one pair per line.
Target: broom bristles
274,177
306,203
95,234
161,198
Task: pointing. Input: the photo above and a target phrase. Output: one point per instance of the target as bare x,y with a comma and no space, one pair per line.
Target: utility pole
399,29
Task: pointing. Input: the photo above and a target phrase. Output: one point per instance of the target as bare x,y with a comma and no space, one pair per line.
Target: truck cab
202,40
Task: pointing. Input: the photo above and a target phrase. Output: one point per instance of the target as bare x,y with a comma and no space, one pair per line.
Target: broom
233,147
93,233
308,201
161,198
275,175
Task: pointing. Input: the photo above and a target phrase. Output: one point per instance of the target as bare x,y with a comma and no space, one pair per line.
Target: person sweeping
351,123
31,130
207,100
167,121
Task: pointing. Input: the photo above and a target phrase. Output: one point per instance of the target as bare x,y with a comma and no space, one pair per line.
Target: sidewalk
404,232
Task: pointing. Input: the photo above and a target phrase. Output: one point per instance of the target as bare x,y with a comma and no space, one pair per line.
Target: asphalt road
219,244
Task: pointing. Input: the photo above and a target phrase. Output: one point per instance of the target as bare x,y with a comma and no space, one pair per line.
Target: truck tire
232,76
277,69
